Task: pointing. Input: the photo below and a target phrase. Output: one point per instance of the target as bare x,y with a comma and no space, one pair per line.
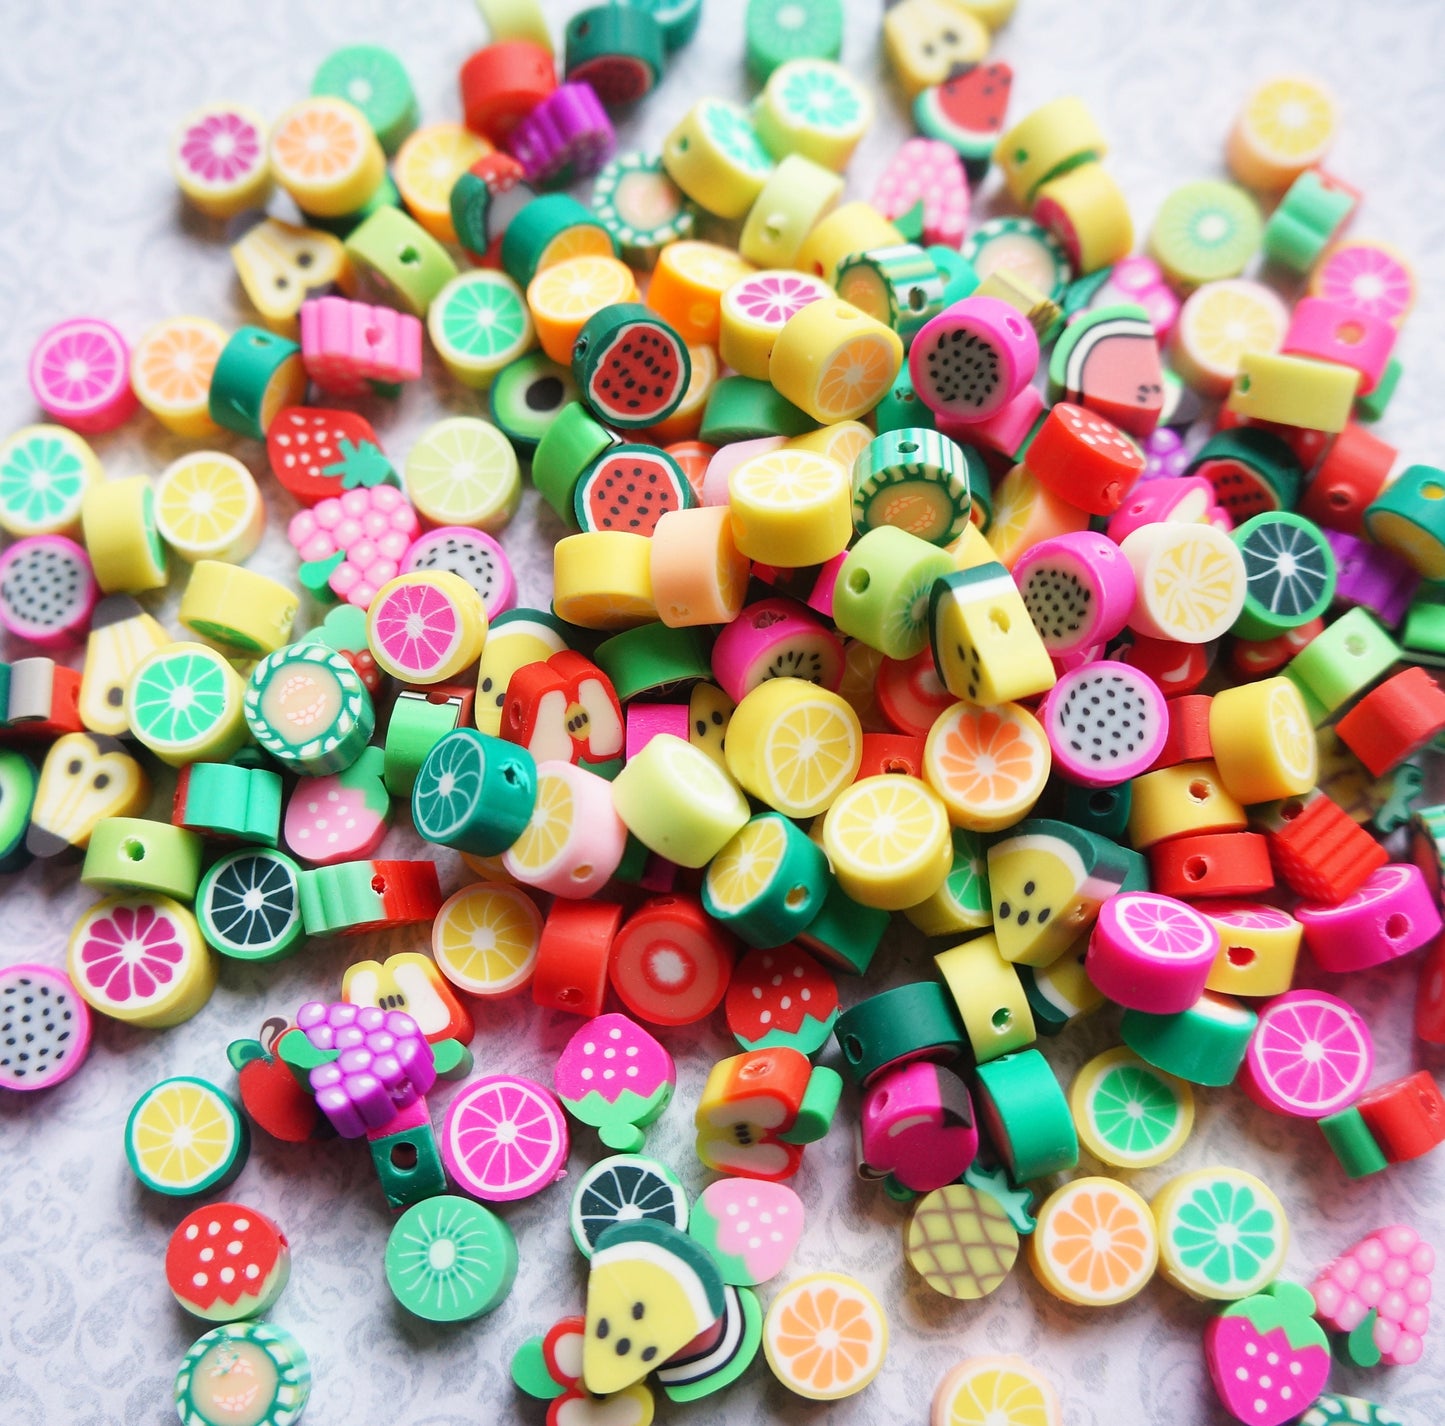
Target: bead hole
409,256
404,1157
998,617
1396,926
1241,383
1200,790
1431,491
1102,803
859,580
1339,499
1196,868
1350,334
1290,810
908,448
852,1049
1240,956
1001,1018
582,872
1355,645
797,898
917,299
378,885
133,849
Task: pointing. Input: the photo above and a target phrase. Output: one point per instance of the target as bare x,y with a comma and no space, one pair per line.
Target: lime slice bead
463,471
450,1260
249,907
1129,1114
776,31
184,703
374,80
478,323
44,474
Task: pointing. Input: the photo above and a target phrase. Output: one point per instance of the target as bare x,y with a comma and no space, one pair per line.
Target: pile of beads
889,584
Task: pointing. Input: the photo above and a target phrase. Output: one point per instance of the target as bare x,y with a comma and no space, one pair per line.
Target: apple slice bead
1267,1356
623,1189
1310,1055
448,1259
504,1138
1222,1233
227,1262
260,1366
616,1077
1152,953
750,1227
44,1027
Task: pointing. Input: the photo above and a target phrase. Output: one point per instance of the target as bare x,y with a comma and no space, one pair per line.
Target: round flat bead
450,1260
474,792
575,840
375,81
797,194
1189,582
118,521
715,156
485,939
1049,141
989,765
1106,723
1214,864
206,724
44,1027
641,207
46,473
230,917
470,1139
80,374
918,480
1258,947
1130,1115
1150,952
833,361
401,259
220,161
1096,1244
1284,128
256,374
815,108
1222,1233
1392,914
618,50
1230,225
670,963
170,372
237,607
882,592
265,1364
888,840
1263,741
133,854
1406,517
325,155
306,706
678,803
603,580
47,591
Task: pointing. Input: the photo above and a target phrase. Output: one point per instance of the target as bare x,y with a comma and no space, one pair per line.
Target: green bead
918,480
845,933
1372,405
184,1137
776,31
1306,219
399,260
409,1168
536,226
901,409
335,723
1289,571
882,592
226,800
1049,1019
1254,470
1204,1044
691,1380
227,1364
819,1106
1082,290
1101,810
1343,661
958,274
742,409
18,779
794,872
387,195
1017,1203
131,853
1027,1112
633,866
900,286
530,1374
1353,1145
374,80
1408,516
910,1022
643,209
569,446
249,906
474,793
653,660
248,378
526,397
679,19
419,721
610,36
1423,637
629,333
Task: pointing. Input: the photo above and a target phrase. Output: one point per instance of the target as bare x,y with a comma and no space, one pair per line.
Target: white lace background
90,223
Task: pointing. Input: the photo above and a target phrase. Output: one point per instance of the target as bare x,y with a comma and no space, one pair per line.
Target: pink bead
1106,723
1078,590
646,720
1005,431
1138,279
917,1123
1392,914
1187,498
973,358
346,344
47,591
927,173
820,601
80,374
745,648
1330,331
1152,953
1310,1055
595,842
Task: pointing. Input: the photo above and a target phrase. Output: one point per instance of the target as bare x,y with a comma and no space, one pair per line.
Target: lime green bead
1372,404
419,721
678,802
449,1259
882,592
1342,661
400,259
899,286
740,408
1307,217
775,31
373,79
1020,1097
1423,637
569,446
130,853
795,197
224,800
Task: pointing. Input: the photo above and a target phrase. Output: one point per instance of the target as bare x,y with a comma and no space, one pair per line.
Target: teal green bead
653,660
679,18
919,480
536,225
1101,810
1423,636
408,1164
231,801
882,592
609,35
1082,290
1307,218
132,853
1373,404
1408,516
1270,467
910,1022
960,277
845,934
900,408
1290,573
900,286
1204,1044
252,381
793,894
1026,1111
775,31
567,449
1353,1145
474,793
420,719
740,408
526,396
375,81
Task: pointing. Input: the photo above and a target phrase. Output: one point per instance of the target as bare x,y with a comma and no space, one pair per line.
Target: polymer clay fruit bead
1149,952
1390,914
426,627
670,964
185,1137
1095,1244
1205,1044
961,1242
1310,1055
306,706
219,159
882,594
410,981
706,1365
916,1124
678,802
616,1077
1088,213
1026,1116
135,854
450,1260
887,839
790,507
208,507
474,792
1285,127
1222,1233
1077,589
1084,459
749,1227
1106,723
44,1027
1370,276
814,107
118,525
84,779
1258,947
1267,1356
825,1336
1221,321
767,883
1204,231
574,839
170,372
79,373
776,35
325,155
982,1390
47,591
1128,1114
623,1189
1385,1277
781,996
262,1365
248,905
973,359
989,765
503,1138
45,473
925,183
485,939
375,81
227,1262
567,135
1189,581
1263,744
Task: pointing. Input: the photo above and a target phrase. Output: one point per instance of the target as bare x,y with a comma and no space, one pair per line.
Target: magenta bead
973,358
1392,914
383,1064
1106,723
1330,331
1078,588
504,1138
1005,431
820,600
1372,576
743,646
1310,1055
1138,279
80,374
1187,498
1151,953
474,555
47,591
568,135
645,721
917,1123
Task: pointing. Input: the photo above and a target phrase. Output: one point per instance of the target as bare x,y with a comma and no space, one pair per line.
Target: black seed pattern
1059,603
631,492
638,375
42,586
36,1027
963,370
1104,720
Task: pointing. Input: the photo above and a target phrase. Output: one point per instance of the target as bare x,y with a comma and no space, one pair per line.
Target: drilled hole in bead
755,1069
1200,790
378,885
797,898
1350,333
1431,491
569,995
1021,156
1241,956
1241,382
409,256
881,1100
852,1049
1288,811
896,765
917,299
680,144
1355,645
1338,499
858,580
908,448
1397,926
404,1157
509,774
133,849
1101,803
775,227
1002,1018
260,340
582,872
1196,869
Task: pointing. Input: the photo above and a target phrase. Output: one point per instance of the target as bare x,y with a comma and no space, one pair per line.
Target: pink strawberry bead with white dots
1390,1272
373,526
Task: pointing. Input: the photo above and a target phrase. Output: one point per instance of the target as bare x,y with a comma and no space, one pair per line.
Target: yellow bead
220,183
1065,984
985,646
516,20
510,645
793,201
603,580
1041,311
1096,1244
1285,127
1024,514
1293,391
989,997
677,802
789,122
1264,741
326,157
853,228
1086,210
794,746
1058,136
437,603
1208,1209
709,712
834,362
1258,948
1110,1091
993,13
238,608
972,548
926,40
888,840
1181,801
280,265
1219,323
208,507
715,157
842,441
170,373
791,508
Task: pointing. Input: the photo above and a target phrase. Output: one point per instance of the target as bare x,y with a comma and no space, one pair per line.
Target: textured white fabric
91,224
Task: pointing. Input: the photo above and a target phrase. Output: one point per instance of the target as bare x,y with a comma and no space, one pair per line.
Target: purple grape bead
1372,576
383,1064
1164,454
568,135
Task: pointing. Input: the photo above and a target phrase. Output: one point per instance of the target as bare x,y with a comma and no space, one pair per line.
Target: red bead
1214,864
1084,459
1188,738
1394,721
564,710
409,892
52,706
1319,851
910,694
1176,668
502,84
671,962
1258,658
1308,445
1430,997
572,956
1406,1117
891,752
1348,479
